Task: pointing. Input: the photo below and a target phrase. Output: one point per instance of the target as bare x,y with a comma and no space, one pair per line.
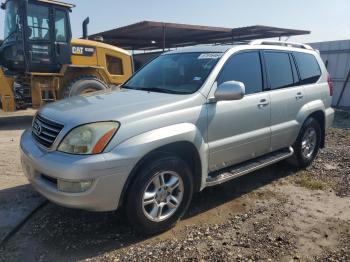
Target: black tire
299,159
82,85
134,208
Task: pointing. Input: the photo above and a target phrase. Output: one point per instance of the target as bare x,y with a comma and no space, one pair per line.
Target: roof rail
281,43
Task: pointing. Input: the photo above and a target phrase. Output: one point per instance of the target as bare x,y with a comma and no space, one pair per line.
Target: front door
240,130
48,37
40,49
63,37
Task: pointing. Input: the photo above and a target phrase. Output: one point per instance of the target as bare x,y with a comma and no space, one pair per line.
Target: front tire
160,194
308,143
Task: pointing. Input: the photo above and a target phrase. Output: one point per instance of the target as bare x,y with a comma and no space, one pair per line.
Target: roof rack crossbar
281,43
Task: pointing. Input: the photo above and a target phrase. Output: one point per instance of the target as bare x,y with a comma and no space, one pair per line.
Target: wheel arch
315,109
320,117
186,150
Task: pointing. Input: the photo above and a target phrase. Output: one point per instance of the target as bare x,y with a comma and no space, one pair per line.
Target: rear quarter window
309,69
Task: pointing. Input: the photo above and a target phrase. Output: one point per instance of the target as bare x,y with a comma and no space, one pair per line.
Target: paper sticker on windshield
210,56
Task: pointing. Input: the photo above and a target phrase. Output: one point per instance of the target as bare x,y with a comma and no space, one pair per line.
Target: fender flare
143,145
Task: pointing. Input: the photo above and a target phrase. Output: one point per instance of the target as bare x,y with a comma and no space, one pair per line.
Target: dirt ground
276,214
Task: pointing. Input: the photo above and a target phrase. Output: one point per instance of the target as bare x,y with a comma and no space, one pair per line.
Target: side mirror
231,90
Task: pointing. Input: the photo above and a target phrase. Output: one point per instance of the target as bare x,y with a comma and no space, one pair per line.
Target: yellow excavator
40,62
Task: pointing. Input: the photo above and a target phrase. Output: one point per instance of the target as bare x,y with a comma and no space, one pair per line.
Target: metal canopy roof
148,35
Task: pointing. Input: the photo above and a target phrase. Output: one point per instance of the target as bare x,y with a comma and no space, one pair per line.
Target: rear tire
149,206
82,85
307,144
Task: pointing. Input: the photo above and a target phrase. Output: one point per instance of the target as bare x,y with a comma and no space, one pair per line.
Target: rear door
287,97
240,130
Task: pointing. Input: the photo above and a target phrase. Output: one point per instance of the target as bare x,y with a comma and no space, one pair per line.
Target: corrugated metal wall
337,56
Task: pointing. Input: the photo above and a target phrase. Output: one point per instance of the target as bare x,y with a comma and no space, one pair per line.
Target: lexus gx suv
190,119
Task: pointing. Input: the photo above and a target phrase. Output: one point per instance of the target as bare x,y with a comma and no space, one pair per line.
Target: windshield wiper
154,89
129,87
161,90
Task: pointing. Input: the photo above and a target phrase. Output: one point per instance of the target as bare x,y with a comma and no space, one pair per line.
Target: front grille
45,131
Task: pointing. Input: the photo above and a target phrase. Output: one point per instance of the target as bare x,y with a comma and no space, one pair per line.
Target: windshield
181,73
11,19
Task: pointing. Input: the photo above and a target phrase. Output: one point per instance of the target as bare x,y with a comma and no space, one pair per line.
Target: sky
326,19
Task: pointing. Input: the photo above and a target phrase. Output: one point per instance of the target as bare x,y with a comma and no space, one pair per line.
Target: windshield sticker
210,56
197,78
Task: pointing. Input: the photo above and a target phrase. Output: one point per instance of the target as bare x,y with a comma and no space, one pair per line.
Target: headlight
89,139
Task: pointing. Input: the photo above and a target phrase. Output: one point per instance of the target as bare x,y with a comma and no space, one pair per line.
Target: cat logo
83,50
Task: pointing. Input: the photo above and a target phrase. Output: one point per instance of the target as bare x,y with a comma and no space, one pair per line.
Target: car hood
119,105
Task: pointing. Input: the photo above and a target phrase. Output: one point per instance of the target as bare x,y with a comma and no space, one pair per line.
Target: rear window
308,67
279,70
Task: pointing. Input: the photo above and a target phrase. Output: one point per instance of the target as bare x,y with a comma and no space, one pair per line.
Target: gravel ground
333,164
276,214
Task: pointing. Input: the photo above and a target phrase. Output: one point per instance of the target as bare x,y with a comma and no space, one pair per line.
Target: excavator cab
37,36
41,63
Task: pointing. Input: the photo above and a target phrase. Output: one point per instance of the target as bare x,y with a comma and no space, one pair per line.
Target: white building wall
336,55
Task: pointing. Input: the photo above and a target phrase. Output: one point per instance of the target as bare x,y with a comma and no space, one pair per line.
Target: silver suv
190,119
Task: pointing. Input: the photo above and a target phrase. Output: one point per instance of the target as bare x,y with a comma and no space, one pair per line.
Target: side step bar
222,176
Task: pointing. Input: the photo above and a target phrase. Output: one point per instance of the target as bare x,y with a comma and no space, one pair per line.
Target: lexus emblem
37,128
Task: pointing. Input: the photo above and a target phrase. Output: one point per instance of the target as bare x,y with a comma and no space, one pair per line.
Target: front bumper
108,171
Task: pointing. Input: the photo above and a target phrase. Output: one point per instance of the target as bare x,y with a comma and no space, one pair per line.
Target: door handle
57,49
263,103
299,96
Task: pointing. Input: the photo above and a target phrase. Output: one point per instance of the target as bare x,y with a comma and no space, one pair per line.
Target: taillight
330,85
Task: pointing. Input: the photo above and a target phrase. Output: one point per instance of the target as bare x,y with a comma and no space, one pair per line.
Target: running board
222,176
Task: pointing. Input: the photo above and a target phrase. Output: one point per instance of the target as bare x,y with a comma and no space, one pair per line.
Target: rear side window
279,70
245,68
308,67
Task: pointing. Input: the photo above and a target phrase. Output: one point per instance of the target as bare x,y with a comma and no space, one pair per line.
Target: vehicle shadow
16,205
66,234
214,196
10,122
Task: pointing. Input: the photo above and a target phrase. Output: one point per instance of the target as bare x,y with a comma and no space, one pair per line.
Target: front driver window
245,68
